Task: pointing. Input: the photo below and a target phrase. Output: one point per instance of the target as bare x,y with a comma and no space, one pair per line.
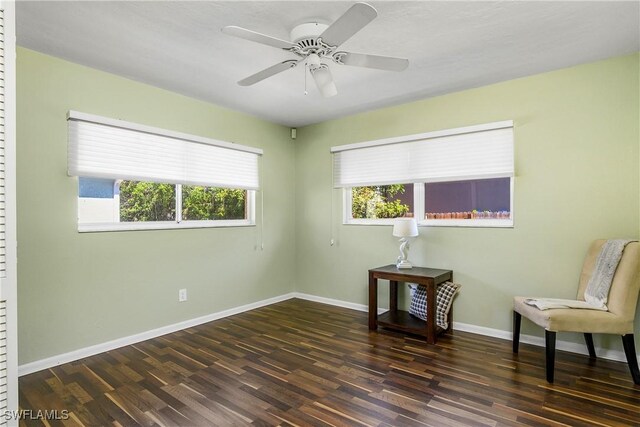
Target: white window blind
474,152
100,147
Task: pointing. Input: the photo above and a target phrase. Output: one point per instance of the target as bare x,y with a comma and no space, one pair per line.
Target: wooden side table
400,319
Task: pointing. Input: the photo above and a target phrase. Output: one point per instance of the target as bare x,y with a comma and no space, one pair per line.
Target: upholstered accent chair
619,319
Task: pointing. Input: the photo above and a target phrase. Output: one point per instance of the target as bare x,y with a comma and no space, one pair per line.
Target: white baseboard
59,359
571,347
71,356
336,302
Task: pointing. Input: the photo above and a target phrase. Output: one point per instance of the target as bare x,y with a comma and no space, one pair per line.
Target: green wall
79,289
577,179
577,166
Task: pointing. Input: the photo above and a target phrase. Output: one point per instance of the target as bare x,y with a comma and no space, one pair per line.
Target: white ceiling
450,45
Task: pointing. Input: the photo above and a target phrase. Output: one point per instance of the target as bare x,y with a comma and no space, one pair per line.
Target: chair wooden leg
550,345
589,340
630,352
517,317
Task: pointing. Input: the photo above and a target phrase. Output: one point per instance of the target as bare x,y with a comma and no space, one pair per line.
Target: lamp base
402,264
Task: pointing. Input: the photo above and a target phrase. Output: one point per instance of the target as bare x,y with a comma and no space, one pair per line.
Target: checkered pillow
444,297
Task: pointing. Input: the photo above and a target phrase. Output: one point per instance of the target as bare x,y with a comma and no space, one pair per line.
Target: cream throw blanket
597,290
548,303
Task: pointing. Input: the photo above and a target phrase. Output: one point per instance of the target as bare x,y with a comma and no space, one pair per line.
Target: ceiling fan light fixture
313,61
324,81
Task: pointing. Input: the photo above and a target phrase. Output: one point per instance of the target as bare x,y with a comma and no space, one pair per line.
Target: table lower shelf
401,320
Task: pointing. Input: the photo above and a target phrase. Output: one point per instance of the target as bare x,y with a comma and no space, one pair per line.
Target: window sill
362,221
136,226
477,223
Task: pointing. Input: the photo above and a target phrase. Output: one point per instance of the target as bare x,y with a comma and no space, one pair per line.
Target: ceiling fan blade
352,21
243,33
267,72
372,61
324,81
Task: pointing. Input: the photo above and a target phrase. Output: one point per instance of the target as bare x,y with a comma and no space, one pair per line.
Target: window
102,202
136,177
456,177
141,201
210,203
380,202
477,199
98,201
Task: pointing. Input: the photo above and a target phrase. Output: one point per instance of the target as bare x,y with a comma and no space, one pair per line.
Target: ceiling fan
315,44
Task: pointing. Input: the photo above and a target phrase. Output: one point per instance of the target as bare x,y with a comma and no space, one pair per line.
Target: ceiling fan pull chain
305,78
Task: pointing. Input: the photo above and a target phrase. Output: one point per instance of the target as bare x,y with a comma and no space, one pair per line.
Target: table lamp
404,228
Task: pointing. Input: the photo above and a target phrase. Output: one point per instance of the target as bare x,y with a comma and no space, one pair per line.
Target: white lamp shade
405,227
324,81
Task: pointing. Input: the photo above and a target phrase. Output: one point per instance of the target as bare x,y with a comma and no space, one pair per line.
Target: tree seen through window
210,203
379,201
149,201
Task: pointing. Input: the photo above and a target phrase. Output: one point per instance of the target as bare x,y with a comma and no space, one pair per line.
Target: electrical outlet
182,295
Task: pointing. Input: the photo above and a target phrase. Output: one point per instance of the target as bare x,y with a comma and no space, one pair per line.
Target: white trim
59,359
419,212
10,288
250,207
178,201
571,347
253,203
419,195
347,205
471,223
429,180
369,221
116,198
347,210
512,184
478,223
76,115
168,225
178,223
336,302
427,135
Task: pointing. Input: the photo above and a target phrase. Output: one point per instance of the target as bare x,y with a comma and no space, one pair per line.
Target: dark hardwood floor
304,363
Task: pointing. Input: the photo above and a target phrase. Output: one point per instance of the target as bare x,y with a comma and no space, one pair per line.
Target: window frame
178,223
419,213
347,213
